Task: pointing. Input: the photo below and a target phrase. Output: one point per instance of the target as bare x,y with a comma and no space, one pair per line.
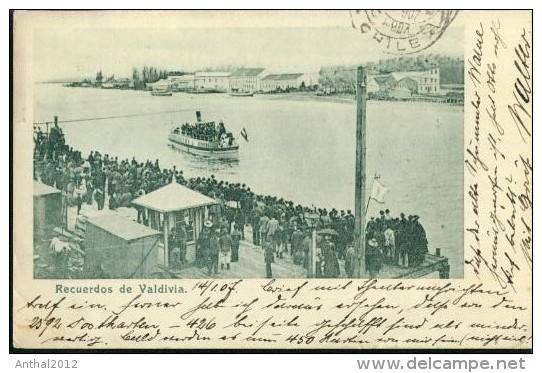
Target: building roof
381,79
122,227
173,197
41,189
213,73
399,75
185,77
252,71
283,76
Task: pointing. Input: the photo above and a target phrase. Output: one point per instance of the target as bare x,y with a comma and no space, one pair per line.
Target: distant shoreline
312,96
305,96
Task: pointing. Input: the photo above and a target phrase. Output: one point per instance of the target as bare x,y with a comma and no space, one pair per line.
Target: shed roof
173,197
282,76
122,227
41,189
213,73
251,71
381,79
400,75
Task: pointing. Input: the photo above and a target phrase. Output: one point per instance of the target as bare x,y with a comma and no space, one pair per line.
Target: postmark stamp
403,31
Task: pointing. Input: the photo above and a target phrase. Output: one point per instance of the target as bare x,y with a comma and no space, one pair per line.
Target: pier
251,259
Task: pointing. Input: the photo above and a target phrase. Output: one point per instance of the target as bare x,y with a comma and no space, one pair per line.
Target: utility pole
361,151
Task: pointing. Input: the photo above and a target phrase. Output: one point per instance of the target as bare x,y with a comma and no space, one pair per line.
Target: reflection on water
301,150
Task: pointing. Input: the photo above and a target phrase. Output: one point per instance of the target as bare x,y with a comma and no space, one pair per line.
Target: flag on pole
244,134
379,191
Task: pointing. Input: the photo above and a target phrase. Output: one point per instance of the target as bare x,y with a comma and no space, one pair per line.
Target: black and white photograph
250,152
298,181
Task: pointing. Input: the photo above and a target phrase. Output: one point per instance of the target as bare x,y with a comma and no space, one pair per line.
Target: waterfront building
182,82
161,85
274,82
246,79
172,206
397,83
425,82
213,80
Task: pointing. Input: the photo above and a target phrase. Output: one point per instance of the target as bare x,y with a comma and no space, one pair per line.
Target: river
302,150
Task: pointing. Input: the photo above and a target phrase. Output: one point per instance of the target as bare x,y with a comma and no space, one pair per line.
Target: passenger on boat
221,129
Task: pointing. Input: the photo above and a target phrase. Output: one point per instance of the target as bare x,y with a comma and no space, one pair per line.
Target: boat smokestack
198,116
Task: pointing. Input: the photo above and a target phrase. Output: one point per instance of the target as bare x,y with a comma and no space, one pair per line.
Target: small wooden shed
117,247
172,204
47,208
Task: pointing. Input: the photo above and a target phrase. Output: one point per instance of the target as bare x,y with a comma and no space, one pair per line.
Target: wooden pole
313,254
166,238
359,233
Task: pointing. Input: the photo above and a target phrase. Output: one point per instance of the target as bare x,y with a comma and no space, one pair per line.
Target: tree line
342,78
148,74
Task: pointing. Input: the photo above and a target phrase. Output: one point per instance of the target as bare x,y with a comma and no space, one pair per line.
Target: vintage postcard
272,179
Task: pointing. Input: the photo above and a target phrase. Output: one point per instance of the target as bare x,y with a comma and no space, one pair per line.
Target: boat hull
202,148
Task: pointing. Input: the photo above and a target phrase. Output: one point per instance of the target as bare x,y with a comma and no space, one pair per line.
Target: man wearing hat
329,256
213,252
202,245
225,248
419,243
373,258
236,237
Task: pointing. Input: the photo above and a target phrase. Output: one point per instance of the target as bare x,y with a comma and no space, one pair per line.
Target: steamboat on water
205,138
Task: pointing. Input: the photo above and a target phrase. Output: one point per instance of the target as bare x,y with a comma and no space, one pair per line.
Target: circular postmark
403,31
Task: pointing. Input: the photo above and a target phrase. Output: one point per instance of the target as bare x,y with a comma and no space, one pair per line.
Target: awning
173,197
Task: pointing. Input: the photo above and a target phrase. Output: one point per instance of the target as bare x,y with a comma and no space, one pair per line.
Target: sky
79,48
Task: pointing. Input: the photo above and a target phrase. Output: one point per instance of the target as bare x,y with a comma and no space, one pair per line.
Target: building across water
401,84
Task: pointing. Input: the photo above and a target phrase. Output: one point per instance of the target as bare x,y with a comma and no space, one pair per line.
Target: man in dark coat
297,246
182,238
268,257
236,238
99,196
419,242
255,223
306,245
212,254
331,262
240,221
202,245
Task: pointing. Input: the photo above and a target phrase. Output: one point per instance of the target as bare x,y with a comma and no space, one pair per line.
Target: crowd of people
207,131
281,227
397,241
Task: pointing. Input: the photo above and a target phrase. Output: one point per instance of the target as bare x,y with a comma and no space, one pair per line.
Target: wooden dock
252,265
431,264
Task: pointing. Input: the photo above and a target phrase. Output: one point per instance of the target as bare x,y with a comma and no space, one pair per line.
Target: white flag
378,191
